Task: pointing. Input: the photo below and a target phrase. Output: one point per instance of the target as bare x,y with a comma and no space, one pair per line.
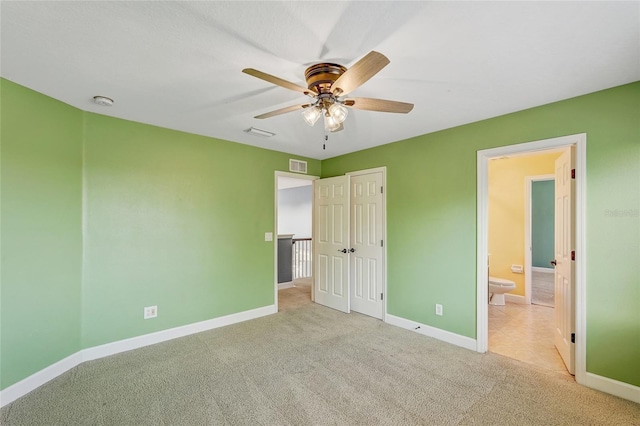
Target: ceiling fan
327,85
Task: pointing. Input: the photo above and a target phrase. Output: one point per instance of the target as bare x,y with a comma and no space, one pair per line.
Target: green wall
171,219
102,216
431,218
542,226
41,194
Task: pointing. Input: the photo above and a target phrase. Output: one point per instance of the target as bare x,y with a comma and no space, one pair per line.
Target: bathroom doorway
518,328
293,239
518,307
539,222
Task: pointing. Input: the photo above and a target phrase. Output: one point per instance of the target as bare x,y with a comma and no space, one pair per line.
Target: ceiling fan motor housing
321,76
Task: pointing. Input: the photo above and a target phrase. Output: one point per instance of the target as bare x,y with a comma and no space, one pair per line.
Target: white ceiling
178,64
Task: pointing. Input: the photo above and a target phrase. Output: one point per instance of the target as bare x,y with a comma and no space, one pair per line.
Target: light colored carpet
295,297
542,291
313,365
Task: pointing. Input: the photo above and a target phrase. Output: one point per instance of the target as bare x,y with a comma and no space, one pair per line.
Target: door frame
275,227
482,309
382,169
528,252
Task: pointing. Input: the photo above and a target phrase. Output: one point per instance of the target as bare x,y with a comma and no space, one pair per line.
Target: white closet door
331,242
366,241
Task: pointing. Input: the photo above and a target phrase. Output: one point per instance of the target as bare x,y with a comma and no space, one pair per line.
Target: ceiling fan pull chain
326,138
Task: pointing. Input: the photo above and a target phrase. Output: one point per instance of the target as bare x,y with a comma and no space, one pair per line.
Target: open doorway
294,220
570,327
519,328
539,238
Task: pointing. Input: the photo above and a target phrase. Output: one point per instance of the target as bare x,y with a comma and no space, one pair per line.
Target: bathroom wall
542,222
507,211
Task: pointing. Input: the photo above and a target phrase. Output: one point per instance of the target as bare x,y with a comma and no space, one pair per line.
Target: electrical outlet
438,309
150,312
268,236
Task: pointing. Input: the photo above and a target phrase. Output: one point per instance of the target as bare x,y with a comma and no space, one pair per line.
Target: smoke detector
103,100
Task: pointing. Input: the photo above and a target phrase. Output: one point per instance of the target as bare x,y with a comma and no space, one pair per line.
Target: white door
564,269
331,236
366,241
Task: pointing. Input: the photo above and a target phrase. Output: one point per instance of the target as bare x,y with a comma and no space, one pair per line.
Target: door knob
342,251
553,263
352,250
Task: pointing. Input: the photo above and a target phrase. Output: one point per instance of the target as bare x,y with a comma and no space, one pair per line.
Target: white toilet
497,288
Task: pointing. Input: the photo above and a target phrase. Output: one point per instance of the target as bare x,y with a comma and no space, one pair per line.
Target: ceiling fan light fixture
311,115
330,123
338,112
327,85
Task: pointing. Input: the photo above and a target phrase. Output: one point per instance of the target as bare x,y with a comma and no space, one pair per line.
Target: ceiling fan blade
359,73
381,105
278,81
282,111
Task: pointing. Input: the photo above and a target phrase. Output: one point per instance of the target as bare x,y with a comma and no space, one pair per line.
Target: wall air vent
297,166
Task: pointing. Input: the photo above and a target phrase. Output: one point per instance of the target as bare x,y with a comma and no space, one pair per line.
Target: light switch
268,236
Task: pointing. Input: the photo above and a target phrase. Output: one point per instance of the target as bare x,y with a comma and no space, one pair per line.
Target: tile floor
525,332
542,288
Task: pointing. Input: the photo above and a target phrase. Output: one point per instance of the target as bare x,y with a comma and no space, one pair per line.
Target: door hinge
573,173
573,255
381,296
573,337
382,189
381,243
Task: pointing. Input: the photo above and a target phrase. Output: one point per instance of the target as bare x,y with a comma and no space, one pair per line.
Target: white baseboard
173,333
282,286
613,387
600,383
41,377
540,269
514,298
35,380
436,333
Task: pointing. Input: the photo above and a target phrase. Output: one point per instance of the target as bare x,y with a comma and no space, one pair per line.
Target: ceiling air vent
297,166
